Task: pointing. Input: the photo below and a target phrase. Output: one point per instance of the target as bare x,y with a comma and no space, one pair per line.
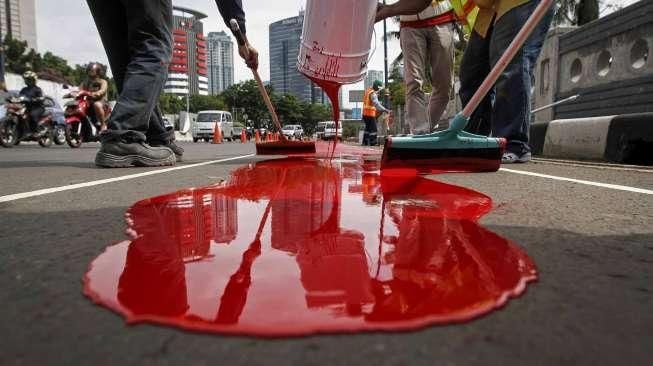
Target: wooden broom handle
242,40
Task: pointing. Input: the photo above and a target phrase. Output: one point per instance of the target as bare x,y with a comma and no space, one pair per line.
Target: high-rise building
188,73
371,76
221,62
20,21
284,47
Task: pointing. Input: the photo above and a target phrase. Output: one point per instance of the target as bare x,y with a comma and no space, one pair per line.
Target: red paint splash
300,246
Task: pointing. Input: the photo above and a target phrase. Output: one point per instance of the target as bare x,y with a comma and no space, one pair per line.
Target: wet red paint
300,246
331,89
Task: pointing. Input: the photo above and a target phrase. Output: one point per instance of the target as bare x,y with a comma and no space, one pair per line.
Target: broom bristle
285,147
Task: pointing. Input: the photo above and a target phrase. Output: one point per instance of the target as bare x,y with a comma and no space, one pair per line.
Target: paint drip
301,246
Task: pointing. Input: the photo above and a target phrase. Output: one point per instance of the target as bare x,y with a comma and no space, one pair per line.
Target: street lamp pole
385,60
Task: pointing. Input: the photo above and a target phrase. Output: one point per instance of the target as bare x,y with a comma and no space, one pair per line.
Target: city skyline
23,21
285,38
188,73
220,62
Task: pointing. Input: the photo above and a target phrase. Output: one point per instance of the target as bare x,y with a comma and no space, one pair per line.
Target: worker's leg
442,56
414,48
149,41
137,37
511,112
474,67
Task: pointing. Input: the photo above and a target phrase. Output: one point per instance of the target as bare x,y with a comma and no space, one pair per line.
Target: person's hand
381,12
249,54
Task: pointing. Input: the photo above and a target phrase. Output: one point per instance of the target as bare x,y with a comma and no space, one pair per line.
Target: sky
66,28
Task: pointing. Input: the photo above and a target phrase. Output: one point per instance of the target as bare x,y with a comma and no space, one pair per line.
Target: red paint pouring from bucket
301,246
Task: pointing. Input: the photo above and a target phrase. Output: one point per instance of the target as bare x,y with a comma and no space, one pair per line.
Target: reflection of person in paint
234,298
153,282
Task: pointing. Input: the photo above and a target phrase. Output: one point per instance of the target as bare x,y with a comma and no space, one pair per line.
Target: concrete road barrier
622,139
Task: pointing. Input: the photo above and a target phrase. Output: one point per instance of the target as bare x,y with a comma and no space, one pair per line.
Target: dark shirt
232,9
31,93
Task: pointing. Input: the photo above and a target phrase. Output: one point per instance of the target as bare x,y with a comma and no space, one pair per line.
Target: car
293,131
204,126
326,130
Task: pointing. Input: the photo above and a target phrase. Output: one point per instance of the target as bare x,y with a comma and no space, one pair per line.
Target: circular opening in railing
575,71
639,54
603,63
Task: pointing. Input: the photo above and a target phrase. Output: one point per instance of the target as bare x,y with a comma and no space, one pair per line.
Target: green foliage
246,95
350,130
19,58
397,87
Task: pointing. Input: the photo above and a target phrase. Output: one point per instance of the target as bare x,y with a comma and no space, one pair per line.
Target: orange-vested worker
371,108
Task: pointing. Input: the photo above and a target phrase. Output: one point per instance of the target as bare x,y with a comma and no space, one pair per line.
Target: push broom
454,149
283,146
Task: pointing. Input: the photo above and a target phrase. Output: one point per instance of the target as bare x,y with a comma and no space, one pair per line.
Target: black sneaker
120,154
178,150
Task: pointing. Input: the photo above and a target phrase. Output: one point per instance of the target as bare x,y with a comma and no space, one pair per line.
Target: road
592,243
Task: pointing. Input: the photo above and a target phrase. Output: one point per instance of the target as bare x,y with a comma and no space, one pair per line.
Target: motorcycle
14,127
81,123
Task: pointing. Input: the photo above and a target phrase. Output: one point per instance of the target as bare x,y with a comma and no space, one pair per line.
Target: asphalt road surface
591,240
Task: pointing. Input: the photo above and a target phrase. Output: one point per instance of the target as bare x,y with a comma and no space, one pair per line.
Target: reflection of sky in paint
337,252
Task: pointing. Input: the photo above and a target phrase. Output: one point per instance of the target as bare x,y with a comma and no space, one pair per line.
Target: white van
327,131
203,127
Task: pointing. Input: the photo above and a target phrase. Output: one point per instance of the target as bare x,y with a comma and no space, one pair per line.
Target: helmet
30,75
377,84
98,67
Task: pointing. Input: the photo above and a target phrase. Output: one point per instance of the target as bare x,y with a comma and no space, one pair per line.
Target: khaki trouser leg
414,46
421,46
442,59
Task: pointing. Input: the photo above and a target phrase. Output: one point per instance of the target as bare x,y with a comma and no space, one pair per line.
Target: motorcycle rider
96,87
34,105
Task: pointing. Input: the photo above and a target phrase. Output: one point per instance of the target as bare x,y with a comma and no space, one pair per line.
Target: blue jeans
137,37
505,111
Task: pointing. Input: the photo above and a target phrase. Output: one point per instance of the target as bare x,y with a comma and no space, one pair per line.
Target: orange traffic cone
257,138
217,134
243,136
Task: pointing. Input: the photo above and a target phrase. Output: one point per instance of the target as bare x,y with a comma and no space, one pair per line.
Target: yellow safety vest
466,11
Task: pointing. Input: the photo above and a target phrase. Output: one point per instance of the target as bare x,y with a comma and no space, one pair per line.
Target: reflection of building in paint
306,222
305,207
199,220
225,221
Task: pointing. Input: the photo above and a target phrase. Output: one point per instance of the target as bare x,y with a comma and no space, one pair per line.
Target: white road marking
593,165
41,192
580,181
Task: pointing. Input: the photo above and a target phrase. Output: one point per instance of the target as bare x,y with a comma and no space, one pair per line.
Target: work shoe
511,158
120,154
178,150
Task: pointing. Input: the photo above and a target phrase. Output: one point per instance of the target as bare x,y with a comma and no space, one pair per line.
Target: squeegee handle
507,56
241,39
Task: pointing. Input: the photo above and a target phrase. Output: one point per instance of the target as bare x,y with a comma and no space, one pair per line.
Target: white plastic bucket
336,39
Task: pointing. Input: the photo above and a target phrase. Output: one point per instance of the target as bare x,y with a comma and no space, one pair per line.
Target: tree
246,95
580,12
288,108
312,114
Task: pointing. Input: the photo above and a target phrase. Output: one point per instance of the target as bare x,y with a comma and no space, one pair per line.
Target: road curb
626,139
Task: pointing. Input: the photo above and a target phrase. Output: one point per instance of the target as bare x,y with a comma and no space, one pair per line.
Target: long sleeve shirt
375,101
232,9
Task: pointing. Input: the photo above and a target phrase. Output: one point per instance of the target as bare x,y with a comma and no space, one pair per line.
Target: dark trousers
505,111
369,135
137,38
35,114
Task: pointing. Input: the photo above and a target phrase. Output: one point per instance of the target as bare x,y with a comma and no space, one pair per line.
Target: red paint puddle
300,246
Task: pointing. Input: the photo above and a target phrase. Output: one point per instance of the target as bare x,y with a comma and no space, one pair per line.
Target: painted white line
592,165
41,192
580,181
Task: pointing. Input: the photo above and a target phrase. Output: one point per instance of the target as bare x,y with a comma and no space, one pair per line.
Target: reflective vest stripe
369,110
